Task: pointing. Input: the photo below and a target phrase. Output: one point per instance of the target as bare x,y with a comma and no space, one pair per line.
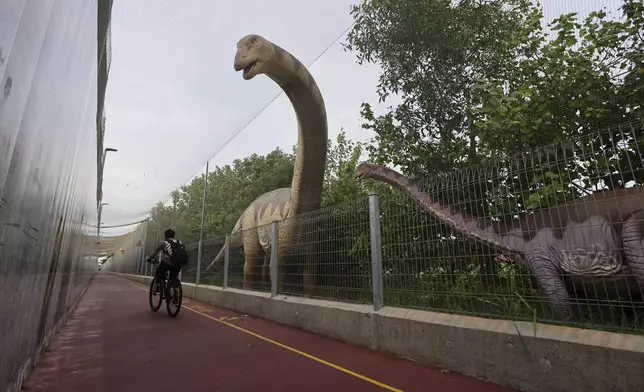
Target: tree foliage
588,76
470,74
571,88
232,188
432,53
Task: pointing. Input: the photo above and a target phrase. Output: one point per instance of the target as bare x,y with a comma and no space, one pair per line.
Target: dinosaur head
371,170
254,55
366,170
381,173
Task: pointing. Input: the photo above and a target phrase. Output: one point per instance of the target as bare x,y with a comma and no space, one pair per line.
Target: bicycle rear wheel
156,298
173,303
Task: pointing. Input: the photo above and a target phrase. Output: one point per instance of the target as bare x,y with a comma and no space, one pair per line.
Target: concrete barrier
17,383
526,356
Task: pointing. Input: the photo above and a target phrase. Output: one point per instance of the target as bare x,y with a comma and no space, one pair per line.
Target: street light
105,154
103,169
98,225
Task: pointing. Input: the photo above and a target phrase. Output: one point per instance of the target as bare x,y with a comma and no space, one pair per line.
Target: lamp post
103,168
104,155
98,225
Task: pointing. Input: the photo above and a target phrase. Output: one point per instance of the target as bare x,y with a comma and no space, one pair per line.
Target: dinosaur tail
218,261
509,240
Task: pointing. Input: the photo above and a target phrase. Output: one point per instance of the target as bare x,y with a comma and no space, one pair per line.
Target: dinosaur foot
565,313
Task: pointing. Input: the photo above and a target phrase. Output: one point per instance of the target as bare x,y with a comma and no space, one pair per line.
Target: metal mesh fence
248,265
465,241
535,198
128,256
329,254
213,275
174,218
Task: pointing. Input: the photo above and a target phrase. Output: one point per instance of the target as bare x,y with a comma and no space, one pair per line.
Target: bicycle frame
166,285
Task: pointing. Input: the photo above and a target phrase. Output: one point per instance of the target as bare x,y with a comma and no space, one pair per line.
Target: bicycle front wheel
173,303
156,299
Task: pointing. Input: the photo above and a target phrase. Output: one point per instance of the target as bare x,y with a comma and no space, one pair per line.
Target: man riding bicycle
172,259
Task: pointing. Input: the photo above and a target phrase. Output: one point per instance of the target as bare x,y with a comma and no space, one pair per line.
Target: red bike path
114,342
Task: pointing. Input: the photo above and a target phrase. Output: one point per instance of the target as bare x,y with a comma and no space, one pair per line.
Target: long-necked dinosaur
599,236
256,55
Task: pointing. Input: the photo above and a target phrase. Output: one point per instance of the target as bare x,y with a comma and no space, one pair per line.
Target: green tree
431,53
579,85
230,190
585,78
233,187
340,185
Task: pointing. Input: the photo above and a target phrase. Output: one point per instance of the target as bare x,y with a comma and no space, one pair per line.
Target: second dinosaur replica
256,55
596,237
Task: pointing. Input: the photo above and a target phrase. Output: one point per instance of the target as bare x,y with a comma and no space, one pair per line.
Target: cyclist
166,263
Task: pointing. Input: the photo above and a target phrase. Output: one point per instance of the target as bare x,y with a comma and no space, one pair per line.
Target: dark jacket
165,249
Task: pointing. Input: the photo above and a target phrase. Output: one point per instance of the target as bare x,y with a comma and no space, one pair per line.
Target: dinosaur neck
307,101
461,222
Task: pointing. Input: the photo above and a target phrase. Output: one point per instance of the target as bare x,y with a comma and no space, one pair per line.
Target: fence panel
437,244
332,247
430,264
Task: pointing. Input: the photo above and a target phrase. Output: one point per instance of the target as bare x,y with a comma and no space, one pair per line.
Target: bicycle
172,295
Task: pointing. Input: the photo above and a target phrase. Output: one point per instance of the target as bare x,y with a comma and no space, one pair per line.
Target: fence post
376,252
139,263
226,255
174,208
203,217
154,243
143,242
273,261
145,264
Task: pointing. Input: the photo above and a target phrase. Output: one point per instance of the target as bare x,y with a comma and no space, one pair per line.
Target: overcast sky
173,99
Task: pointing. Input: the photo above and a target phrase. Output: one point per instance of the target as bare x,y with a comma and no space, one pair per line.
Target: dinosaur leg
252,253
266,272
544,264
308,278
633,240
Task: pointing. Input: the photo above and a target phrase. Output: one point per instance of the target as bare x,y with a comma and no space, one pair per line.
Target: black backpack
179,255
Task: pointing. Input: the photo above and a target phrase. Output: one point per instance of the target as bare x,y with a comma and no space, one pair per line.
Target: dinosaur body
599,236
256,55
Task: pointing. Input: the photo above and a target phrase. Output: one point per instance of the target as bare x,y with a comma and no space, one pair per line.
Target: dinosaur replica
256,55
597,238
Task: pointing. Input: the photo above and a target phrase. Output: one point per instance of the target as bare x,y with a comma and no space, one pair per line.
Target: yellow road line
294,350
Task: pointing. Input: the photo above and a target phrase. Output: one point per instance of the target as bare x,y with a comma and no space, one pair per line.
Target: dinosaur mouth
246,73
360,176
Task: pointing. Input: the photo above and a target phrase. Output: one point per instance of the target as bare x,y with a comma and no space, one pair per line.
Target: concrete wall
525,356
